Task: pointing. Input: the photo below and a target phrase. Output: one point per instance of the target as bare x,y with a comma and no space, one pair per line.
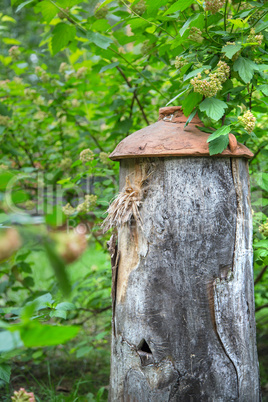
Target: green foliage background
82,76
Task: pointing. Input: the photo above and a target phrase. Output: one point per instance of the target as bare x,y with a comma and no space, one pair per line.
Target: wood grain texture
187,285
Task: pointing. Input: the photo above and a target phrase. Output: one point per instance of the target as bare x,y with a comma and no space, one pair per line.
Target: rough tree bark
183,311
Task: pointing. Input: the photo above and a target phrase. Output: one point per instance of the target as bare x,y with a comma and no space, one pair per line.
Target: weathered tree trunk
183,319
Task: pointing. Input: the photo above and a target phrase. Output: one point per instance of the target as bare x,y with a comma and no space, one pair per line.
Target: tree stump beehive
183,297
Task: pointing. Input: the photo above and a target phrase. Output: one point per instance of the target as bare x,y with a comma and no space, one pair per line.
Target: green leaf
5,371
224,130
263,89
177,96
180,5
47,9
62,35
214,108
218,145
190,118
190,101
195,72
24,4
262,180
104,4
65,306
35,334
10,341
2,129
109,66
56,217
58,267
155,4
188,23
4,110
58,314
245,68
261,244
101,41
260,27
231,50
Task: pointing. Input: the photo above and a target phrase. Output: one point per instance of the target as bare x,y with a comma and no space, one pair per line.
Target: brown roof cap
168,137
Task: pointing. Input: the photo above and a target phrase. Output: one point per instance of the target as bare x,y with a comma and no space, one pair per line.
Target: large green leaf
62,35
245,68
58,267
190,102
5,371
214,108
153,5
47,9
10,341
99,40
36,334
218,144
231,50
221,131
180,5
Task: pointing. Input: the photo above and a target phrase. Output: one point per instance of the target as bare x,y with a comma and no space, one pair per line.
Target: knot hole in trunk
145,353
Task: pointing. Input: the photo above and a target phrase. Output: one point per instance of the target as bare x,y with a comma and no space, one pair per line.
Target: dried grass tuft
126,206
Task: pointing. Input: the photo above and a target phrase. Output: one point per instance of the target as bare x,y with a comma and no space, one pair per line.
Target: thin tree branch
261,307
134,94
260,275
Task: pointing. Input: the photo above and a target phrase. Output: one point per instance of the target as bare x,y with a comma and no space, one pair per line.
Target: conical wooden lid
168,137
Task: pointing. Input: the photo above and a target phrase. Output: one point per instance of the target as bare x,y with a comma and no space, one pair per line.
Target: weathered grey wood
184,327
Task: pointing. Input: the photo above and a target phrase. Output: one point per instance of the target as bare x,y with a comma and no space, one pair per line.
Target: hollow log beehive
183,298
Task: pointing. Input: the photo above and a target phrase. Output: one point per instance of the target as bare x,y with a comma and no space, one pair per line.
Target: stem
261,307
206,28
134,94
225,15
263,15
260,275
139,72
144,19
250,96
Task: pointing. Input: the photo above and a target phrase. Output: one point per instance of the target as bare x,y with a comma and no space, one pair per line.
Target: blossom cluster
179,62
195,35
14,53
4,120
88,204
253,38
41,73
23,396
264,228
209,87
248,121
86,155
214,5
139,8
104,158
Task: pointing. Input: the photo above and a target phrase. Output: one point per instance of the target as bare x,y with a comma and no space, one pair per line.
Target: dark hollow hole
144,347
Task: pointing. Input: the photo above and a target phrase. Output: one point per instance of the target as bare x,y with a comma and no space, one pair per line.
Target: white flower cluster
179,62
86,155
248,121
196,35
253,38
209,87
89,203
14,52
139,8
41,73
264,228
4,120
214,5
